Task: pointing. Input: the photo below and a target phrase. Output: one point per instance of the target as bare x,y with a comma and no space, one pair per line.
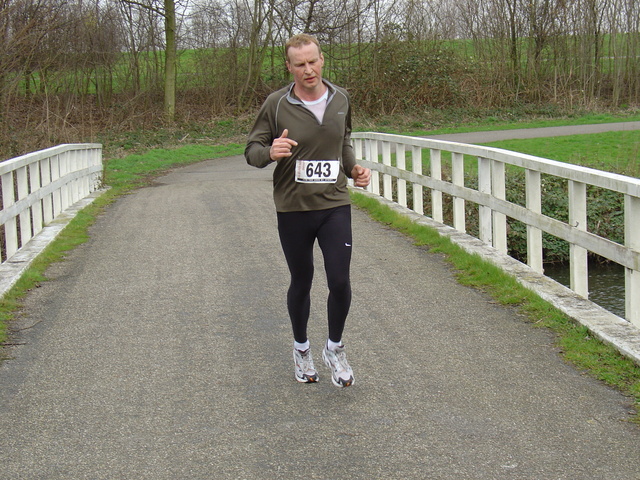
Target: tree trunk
513,40
170,60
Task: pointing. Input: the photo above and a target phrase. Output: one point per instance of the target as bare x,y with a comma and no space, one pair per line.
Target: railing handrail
28,158
39,186
611,181
374,150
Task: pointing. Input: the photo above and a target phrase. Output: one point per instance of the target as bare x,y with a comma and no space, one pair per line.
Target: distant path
494,136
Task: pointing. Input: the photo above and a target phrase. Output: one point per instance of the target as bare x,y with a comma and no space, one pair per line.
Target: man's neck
310,96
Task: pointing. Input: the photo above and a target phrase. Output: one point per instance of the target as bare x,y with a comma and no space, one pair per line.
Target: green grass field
617,152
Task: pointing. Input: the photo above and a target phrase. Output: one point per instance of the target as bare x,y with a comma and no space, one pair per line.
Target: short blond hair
300,40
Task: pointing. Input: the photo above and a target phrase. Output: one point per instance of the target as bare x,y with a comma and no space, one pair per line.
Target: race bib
317,171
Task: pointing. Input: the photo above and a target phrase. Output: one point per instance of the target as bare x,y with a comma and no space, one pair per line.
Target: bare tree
259,31
542,18
168,13
171,54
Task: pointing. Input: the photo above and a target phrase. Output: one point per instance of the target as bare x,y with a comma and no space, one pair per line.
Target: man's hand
281,146
361,176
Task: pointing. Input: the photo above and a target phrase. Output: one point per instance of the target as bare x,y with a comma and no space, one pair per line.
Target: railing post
68,164
416,167
401,162
47,201
11,225
96,160
632,276
436,196
66,190
75,164
357,150
534,235
83,182
58,194
387,188
372,153
484,212
457,177
578,255
499,190
35,183
22,182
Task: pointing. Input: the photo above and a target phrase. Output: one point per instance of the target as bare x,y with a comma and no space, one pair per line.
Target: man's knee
340,287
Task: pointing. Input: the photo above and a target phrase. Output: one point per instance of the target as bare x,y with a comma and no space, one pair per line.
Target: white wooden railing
387,156
37,187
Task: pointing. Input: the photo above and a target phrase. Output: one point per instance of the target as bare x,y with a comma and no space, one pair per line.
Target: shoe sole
307,379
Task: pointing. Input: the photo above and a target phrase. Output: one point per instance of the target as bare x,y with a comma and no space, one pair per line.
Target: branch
146,7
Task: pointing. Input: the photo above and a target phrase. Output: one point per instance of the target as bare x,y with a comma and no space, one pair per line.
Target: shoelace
305,362
341,362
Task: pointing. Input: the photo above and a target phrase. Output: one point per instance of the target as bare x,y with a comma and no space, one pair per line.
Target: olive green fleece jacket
329,140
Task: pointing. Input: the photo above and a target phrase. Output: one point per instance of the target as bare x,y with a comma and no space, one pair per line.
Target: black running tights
298,232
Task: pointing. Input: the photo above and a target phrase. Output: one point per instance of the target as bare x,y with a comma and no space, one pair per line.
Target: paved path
161,349
484,137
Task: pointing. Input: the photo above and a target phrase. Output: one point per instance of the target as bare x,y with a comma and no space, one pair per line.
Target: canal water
606,284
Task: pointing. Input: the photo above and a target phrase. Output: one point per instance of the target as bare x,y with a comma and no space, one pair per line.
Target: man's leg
297,237
335,238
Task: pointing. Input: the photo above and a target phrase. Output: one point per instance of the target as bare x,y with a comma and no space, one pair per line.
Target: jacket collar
293,99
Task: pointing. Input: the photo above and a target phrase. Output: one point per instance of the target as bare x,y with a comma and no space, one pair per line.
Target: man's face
305,64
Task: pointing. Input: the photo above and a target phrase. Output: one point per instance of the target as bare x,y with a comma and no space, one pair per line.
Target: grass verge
575,342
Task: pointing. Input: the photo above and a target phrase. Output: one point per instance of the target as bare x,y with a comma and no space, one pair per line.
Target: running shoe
341,373
305,371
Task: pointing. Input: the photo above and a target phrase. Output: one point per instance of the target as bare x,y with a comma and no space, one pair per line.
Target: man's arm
257,151
348,155
361,176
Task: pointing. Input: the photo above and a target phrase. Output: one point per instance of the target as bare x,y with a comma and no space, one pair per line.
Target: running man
306,128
